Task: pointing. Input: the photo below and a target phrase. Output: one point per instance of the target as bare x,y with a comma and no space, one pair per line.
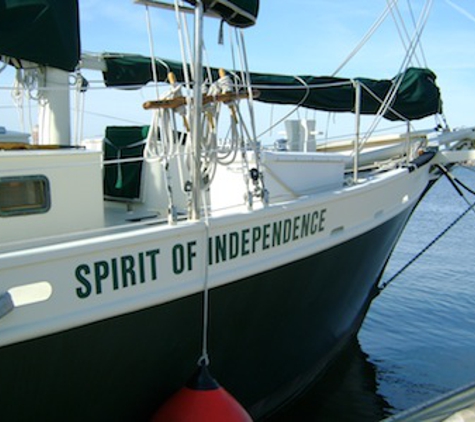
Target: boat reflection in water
348,392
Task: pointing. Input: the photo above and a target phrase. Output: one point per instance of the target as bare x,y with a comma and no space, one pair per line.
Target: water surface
418,340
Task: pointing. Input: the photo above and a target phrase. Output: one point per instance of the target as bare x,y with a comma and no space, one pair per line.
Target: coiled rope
454,182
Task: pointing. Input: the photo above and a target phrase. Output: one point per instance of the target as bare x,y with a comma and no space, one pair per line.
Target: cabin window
24,195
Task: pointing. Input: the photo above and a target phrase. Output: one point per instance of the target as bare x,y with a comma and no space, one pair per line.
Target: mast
54,108
45,33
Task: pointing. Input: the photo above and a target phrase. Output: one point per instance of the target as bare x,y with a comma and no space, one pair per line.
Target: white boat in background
122,266
454,406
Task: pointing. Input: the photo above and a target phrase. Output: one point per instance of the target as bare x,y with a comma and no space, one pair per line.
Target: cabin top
45,192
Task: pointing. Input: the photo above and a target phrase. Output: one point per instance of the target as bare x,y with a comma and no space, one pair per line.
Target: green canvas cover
417,96
41,31
129,70
239,13
122,181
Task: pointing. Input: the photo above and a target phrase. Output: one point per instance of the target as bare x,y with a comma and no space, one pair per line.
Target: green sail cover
130,70
417,96
41,31
240,13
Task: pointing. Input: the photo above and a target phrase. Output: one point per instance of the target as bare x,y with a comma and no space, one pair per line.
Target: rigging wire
402,29
413,19
183,28
367,36
152,49
471,207
404,65
404,33
461,10
415,41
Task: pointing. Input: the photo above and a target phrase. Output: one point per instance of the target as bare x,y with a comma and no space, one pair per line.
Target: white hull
106,274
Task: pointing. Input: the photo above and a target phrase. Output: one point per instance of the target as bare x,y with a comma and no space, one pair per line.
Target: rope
471,207
204,358
464,186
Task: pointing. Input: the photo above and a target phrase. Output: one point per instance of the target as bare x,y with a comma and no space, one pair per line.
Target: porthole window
23,195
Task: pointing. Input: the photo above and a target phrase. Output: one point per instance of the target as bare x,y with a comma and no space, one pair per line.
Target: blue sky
301,37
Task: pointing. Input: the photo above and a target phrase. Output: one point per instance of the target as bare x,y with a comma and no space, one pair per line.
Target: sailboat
179,242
